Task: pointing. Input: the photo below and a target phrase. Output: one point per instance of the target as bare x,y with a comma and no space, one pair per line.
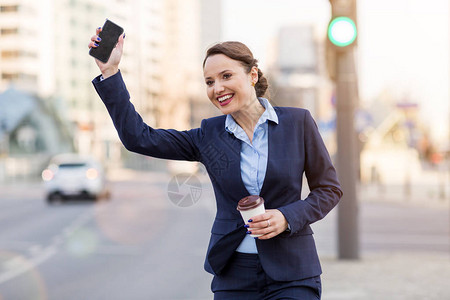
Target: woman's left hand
269,224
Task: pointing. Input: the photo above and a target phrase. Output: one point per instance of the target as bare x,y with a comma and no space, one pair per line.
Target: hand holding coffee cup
265,224
250,207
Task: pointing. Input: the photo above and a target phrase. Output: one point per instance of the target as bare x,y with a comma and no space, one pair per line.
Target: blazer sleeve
137,136
325,190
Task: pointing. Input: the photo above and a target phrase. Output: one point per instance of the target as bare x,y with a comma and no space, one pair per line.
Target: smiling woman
253,149
234,83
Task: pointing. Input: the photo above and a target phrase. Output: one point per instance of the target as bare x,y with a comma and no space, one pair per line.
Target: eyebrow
224,71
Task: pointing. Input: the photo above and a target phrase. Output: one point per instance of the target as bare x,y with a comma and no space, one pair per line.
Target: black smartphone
110,35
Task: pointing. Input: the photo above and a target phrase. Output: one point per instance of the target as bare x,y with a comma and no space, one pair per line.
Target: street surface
149,240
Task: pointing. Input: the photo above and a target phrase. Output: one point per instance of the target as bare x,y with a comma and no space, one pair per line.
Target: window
72,165
9,31
10,76
9,8
10,54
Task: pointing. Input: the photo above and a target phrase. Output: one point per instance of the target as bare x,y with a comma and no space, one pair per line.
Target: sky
403,46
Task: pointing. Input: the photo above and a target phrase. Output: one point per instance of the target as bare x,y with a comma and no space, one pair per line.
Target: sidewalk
420,269
393,276
431,189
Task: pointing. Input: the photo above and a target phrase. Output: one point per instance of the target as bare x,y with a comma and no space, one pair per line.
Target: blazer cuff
293,215
110,88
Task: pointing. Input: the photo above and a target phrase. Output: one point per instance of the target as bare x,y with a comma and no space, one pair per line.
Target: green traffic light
342,31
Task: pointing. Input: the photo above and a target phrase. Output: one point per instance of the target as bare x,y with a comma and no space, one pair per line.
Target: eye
226,76
209,83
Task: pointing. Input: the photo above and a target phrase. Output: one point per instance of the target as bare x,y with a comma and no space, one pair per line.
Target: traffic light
342,31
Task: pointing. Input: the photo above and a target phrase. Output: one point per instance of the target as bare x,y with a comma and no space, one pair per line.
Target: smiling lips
225,99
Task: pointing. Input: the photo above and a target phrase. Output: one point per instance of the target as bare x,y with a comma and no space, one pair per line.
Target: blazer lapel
235,164
273,139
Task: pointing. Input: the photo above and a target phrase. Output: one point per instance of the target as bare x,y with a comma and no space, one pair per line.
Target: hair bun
262,84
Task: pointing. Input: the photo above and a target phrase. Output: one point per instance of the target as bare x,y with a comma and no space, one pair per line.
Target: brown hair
240,52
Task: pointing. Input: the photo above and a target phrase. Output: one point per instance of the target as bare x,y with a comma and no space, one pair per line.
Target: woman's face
228,85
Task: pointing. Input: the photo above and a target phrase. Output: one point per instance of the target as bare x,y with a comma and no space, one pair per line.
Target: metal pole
347,154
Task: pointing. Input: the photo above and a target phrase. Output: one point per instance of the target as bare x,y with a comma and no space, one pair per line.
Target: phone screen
110,35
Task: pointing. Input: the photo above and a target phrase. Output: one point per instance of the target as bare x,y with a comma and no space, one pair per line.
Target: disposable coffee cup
250,207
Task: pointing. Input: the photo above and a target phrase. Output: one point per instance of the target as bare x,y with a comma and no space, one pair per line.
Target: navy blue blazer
295,147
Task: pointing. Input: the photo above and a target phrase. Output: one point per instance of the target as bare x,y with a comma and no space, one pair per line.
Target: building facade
299,78
43,51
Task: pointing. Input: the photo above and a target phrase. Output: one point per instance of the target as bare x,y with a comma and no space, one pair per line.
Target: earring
253,84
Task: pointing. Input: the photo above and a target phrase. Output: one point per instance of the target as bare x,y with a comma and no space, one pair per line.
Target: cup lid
250,202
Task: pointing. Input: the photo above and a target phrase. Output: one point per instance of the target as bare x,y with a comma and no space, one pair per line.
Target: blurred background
149,240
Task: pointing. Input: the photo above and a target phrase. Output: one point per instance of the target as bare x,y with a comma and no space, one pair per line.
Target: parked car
74,176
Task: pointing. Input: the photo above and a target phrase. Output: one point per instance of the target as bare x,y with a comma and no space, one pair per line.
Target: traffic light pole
342,34
347,154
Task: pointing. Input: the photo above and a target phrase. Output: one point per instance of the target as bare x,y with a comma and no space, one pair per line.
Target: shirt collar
269,114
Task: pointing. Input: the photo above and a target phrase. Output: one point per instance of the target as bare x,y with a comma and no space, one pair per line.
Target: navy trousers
244,279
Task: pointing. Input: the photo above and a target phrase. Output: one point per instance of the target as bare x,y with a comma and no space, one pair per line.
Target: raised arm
135,135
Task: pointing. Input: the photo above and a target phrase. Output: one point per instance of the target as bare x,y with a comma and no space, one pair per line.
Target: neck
248,116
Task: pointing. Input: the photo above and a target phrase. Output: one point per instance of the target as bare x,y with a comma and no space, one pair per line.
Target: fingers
268,225
265,228
95,39
261,218
120,42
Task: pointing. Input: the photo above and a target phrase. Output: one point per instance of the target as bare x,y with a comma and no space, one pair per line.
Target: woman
253,149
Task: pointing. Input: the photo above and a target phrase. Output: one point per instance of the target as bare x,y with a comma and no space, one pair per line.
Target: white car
74,176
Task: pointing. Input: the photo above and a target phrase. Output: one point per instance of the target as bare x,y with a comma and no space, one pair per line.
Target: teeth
221,99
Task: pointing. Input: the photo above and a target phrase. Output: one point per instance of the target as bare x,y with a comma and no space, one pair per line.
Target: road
138,245
145,243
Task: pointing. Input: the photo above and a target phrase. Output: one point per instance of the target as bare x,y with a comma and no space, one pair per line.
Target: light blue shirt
253,158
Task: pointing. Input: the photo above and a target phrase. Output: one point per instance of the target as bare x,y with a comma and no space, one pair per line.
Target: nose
218,88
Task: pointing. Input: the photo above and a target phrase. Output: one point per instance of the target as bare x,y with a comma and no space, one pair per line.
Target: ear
254,74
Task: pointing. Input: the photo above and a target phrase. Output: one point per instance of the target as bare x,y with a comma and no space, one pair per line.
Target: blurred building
29,129
142,67
299,78
181,62
43,50
210,34
21,61
390,133
211,23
